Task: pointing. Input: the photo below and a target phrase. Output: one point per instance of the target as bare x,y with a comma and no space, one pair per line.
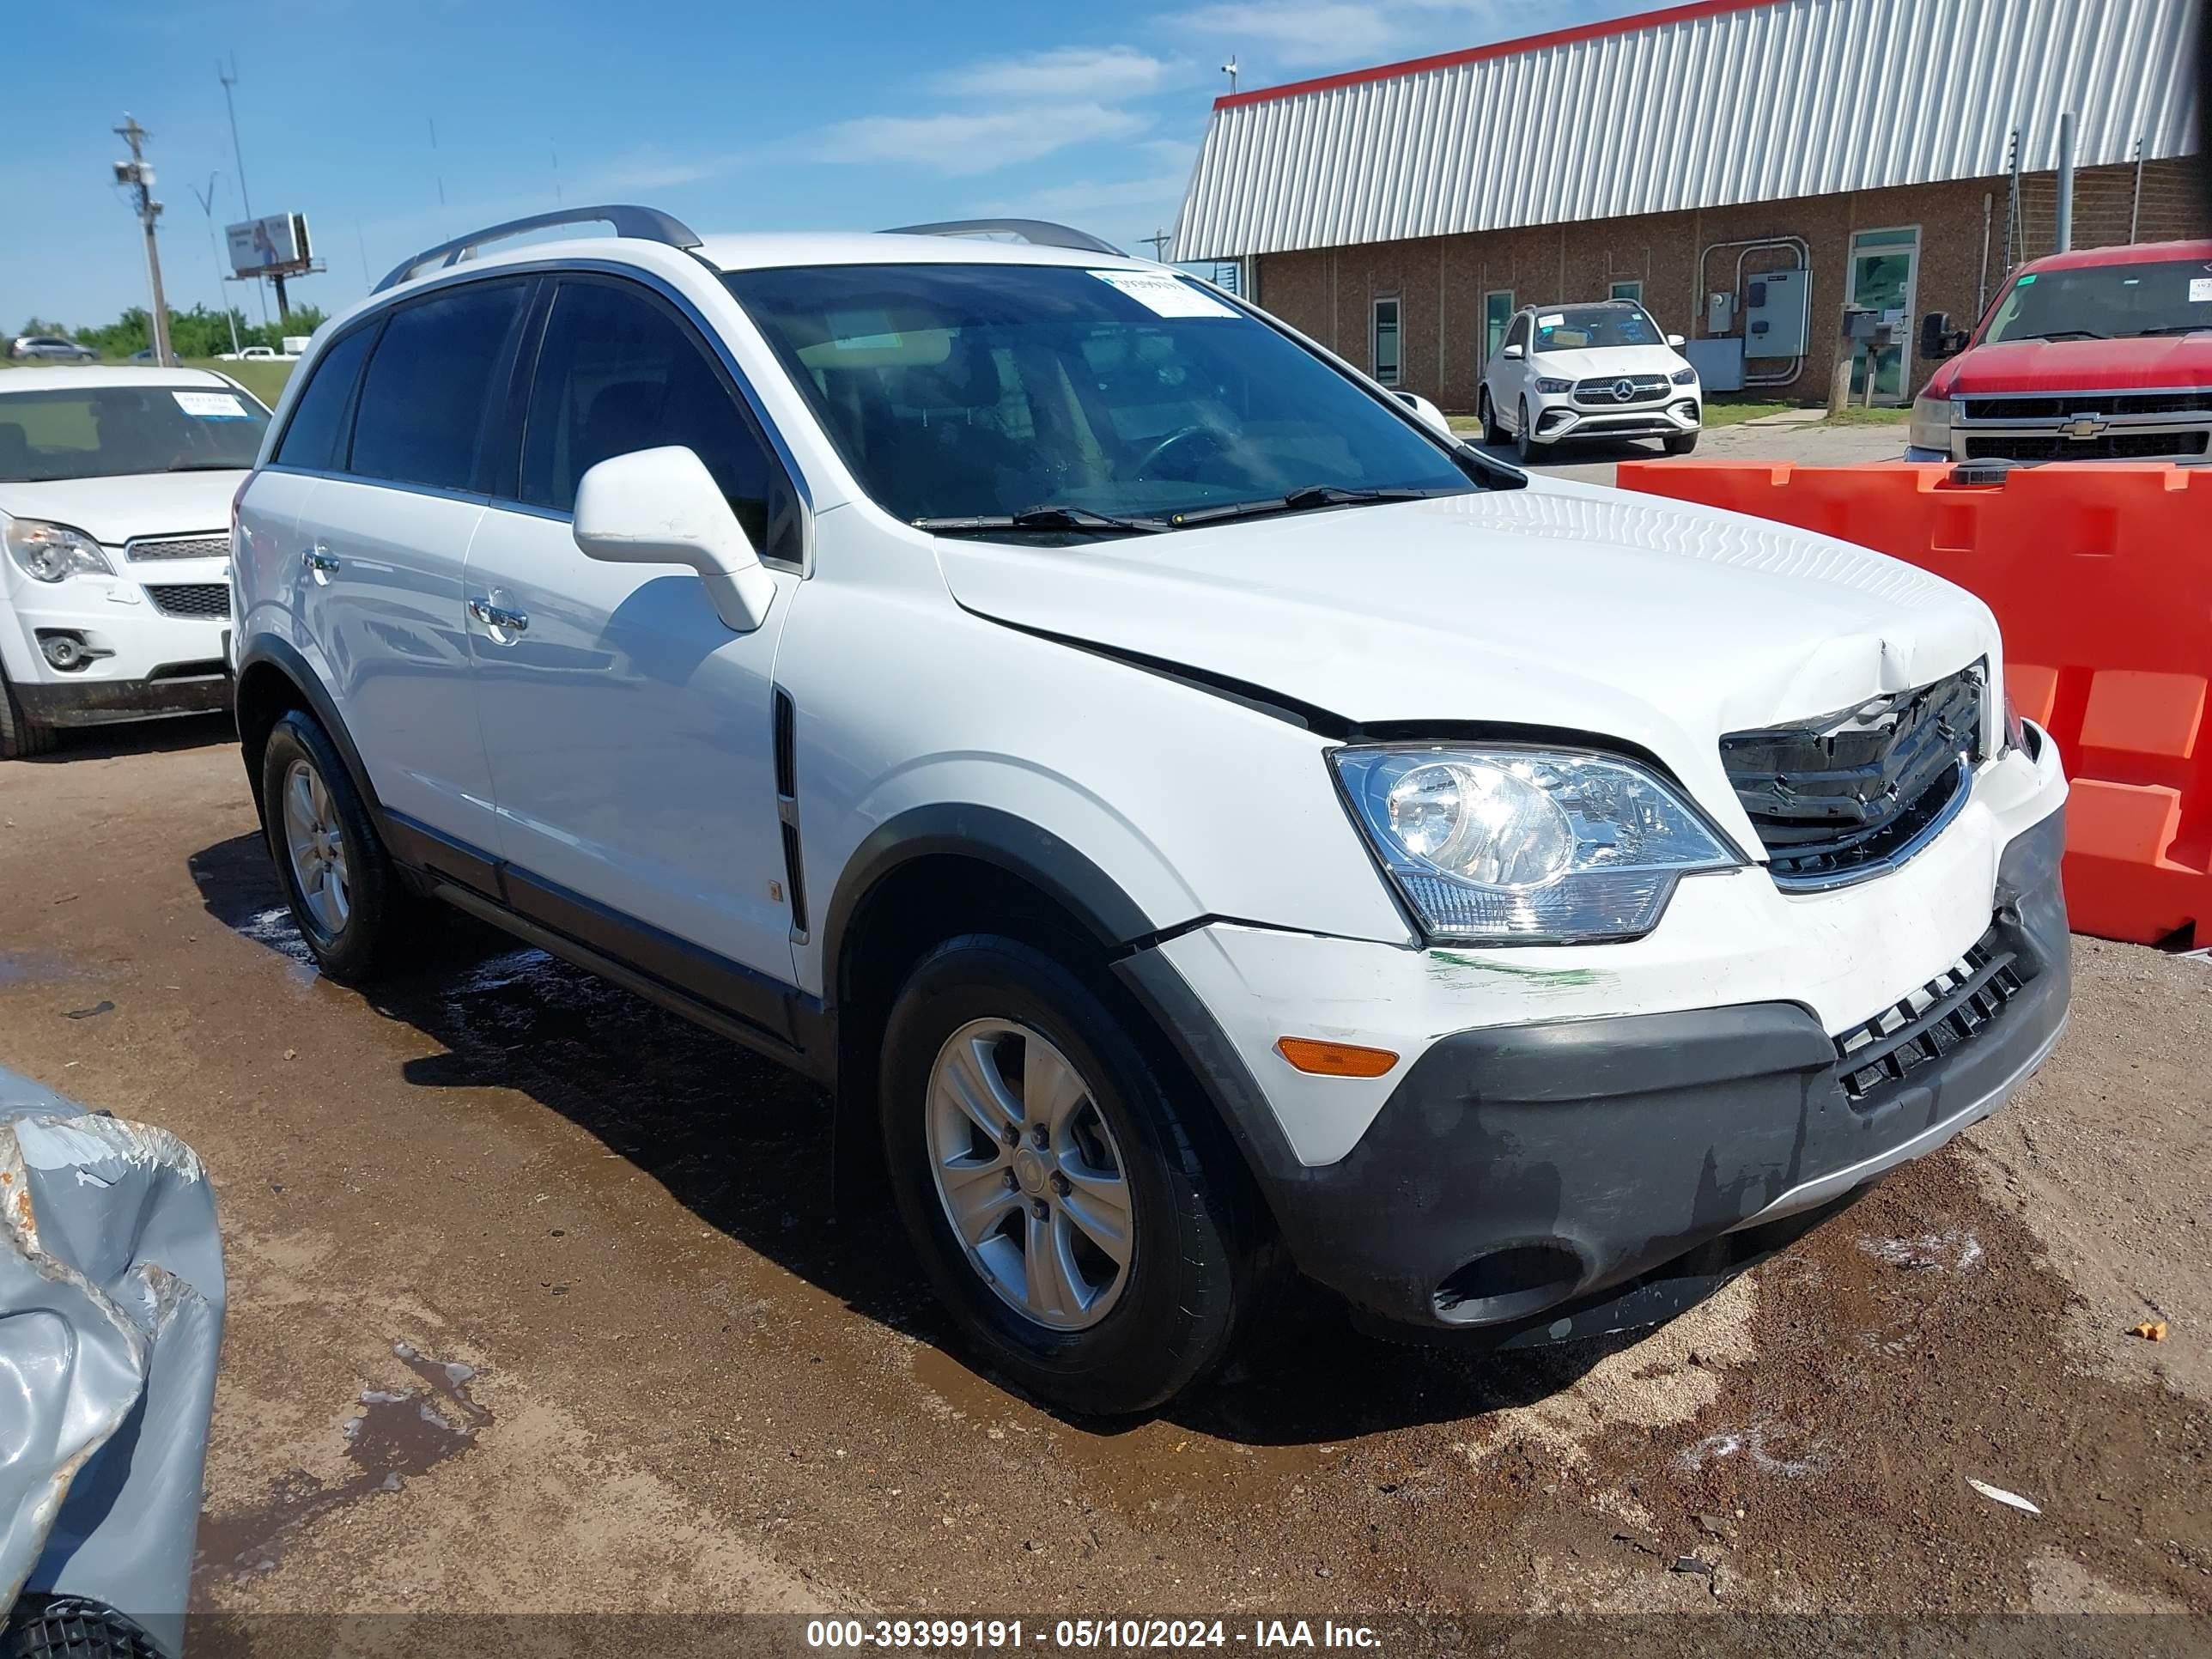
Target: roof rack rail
645,224
1038,232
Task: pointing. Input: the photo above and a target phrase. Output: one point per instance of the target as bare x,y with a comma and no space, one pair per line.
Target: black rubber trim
105,702
281,655
1109,916
431,853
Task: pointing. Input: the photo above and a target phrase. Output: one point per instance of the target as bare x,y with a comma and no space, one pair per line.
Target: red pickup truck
2098,354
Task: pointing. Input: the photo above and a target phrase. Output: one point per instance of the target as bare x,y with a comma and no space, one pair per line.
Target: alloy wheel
316,842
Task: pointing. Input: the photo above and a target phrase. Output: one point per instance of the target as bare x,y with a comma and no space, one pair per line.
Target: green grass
265,380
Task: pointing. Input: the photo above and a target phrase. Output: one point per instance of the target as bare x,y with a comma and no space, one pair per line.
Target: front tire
343,888
1492,433
1526,444
1681,443
1067,1207
20,738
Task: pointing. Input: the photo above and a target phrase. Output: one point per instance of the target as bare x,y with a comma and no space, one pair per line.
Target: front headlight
1552,388
1685,377
52,552
1930,428
1509,846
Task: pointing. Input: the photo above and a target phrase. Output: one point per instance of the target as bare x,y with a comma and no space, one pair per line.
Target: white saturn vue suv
115,492
1194,816
1588,371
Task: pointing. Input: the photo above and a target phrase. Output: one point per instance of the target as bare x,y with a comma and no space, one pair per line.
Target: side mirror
1428,413
663,507
1937,339
1676,341
1513,352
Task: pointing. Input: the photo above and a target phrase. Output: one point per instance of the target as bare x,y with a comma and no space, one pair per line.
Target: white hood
111,511
1559,606
1609,363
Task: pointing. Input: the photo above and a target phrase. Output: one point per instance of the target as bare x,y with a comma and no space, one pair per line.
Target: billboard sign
278,242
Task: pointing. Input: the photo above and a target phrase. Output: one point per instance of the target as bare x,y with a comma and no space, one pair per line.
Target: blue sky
841,114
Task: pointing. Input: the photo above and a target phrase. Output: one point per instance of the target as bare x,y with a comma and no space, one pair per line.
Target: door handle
498,616
319,561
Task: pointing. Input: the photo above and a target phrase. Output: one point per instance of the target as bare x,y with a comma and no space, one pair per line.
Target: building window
1629,291
1497,314
1385,342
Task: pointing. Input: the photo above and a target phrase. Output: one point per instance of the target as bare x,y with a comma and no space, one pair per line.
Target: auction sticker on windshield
1164,296
2200,290
210,405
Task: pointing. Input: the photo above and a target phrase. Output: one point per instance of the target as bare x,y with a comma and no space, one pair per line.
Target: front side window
617,374
1580,328
1385,342
992,390
111,432
2106,302
429,382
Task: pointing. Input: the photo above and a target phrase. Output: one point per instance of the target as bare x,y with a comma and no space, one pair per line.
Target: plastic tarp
111,1321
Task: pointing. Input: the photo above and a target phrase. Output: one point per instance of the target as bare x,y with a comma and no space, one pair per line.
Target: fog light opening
1509,1284
65,651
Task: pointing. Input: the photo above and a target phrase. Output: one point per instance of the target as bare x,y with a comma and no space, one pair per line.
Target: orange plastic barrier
2100,576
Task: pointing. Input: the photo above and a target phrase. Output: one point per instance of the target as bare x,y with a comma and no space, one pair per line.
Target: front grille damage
1848,796
1877,1057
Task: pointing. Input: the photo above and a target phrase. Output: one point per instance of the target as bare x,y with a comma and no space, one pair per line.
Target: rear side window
423,398
617,373
314,438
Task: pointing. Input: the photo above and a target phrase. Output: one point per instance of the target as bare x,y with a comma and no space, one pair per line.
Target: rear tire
983,1024
1492,433
20,738
1682,443
343,888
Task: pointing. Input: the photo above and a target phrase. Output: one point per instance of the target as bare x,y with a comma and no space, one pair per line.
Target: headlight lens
52,552
1686,377
1552,388
2015,729
1506,846
1930,428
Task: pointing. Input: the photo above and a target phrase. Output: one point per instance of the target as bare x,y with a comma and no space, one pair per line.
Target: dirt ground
536,1303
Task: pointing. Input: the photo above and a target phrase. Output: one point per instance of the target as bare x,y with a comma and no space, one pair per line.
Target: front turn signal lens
1320,1059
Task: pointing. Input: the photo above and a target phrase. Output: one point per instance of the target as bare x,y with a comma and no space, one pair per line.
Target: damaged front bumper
111,1319
1554,1177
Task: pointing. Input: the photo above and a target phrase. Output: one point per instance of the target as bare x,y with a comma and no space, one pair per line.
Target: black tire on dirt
18,738
1196,1265
376,901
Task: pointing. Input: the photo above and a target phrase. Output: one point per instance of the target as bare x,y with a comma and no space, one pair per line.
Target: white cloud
1101,73
653,168
961,141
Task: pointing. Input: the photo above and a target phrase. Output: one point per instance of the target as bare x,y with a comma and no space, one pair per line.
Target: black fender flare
286,659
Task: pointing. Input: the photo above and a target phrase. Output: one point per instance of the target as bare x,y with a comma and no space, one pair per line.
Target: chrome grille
190,599
1879,1054
1606,389
1849,795
177,547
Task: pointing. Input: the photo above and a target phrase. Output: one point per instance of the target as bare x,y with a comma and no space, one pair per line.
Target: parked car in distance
252,353
2097,355
115,490
1599,370
1191,814
49,348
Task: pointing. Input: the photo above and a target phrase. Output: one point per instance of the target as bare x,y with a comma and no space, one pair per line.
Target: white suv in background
115,489
1588,371
1190,814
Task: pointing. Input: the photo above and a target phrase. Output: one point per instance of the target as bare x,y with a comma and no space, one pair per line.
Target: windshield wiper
1042,518
1304,499
2172,328
2060,334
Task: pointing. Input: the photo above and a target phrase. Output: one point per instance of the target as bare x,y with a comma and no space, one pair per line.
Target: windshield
1579,328
2108,302
988,391
106,432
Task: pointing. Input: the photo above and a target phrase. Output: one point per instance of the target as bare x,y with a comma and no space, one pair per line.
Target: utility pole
229,79
1158,241
139,177
1228,68
207,206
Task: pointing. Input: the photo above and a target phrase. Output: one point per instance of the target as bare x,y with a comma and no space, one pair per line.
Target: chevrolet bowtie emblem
2084,426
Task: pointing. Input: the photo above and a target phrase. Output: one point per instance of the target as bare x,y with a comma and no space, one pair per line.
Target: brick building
1400,214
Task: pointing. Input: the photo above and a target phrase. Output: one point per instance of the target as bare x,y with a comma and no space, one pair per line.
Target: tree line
199,332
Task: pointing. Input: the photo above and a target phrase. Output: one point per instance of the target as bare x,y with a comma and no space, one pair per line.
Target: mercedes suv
1195,819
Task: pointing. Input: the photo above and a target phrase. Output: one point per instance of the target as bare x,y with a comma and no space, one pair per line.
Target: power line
229,79
207,207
